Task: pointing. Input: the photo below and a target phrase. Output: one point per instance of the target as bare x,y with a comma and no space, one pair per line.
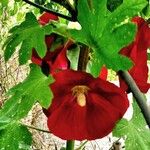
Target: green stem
70,145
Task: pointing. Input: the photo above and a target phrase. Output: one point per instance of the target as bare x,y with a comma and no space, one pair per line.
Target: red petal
106,104
103,73
46,18
62,62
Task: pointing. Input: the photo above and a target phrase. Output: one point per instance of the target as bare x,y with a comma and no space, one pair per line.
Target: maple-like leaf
107,32
24,95
135,131
15,137
30,35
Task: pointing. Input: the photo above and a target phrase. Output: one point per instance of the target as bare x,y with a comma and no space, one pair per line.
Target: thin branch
49,11
82,145
35,128
66,5
69,7
140,99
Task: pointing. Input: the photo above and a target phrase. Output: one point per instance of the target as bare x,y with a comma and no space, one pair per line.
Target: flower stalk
70,145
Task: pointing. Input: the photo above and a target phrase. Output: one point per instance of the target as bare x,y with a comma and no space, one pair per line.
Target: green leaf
23,96
4,3
113,4
15,137
105,32
94,65
30,35
135,131
146,11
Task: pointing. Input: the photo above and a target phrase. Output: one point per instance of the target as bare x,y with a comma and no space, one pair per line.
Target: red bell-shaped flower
84,107
56,60
52,61
137,51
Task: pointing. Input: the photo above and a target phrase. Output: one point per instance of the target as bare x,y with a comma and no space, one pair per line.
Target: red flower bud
57,60
46,18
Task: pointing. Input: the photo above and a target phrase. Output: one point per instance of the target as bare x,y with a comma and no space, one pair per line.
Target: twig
140,99
48,10
66,5
82,145
35,128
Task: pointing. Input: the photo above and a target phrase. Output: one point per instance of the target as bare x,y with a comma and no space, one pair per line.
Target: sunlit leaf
135,131
30,35
15,137
24,95
105,32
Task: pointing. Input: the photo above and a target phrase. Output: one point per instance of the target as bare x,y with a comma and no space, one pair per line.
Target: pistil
80,92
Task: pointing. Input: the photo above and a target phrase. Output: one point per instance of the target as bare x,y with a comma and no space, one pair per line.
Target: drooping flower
52,61
137,51
84,107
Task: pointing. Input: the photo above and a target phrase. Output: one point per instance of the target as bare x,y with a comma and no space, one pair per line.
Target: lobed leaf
24,95
15,137
107,32
135,131
30,35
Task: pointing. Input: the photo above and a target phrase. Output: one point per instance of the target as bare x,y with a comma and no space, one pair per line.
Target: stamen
79,91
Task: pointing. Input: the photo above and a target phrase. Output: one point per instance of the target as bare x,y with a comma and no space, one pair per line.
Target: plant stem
83,58
50,11
140,99
69,7
35,128
70,145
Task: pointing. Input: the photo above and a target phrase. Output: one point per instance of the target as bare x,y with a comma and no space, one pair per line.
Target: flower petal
137,51
103,73
46,18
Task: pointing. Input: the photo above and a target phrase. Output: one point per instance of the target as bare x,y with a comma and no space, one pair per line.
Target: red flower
84,107
53,61
137,51
46,18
